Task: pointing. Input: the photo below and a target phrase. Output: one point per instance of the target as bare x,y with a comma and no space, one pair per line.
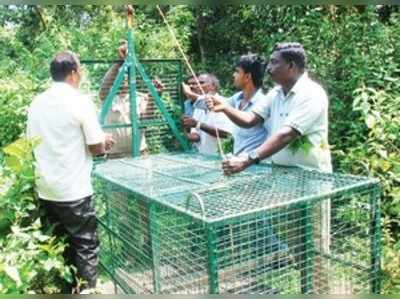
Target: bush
31,260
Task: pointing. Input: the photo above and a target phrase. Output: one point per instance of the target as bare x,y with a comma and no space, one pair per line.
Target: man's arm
189,93
271,146
99,149
189,122
240,118
212,131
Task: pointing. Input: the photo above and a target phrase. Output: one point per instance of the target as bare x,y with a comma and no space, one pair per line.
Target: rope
192,72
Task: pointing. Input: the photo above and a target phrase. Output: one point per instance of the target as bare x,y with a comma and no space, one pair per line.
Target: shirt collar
299,85
62,85
253,98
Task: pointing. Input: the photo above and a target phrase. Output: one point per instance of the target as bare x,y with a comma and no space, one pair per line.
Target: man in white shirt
296,109
65,120
204,123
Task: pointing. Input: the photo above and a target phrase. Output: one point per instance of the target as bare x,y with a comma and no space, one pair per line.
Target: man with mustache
296,108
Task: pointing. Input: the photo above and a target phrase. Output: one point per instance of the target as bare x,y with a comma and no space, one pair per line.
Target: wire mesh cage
173,224
155,134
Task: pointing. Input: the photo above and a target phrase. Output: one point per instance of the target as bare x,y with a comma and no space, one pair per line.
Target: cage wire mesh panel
171,223
156,135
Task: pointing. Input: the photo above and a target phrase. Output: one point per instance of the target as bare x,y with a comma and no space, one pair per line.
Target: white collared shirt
305,109
66,122
208,144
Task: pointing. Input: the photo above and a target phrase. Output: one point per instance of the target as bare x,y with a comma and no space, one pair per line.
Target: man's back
65,121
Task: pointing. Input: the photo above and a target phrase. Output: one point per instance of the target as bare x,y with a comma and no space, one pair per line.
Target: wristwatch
198,125
254,157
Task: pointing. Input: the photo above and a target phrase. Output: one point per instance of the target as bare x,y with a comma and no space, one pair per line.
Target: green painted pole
132,94
179,84
375,241
155,247
113,92
307,270
212,260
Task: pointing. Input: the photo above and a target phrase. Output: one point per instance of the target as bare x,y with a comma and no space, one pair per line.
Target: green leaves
31,261
13,273
301,143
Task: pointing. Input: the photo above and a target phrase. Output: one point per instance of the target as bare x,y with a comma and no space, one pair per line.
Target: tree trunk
200,26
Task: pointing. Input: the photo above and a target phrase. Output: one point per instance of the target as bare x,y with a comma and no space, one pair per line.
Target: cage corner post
307,259
212,261
375,240
155,247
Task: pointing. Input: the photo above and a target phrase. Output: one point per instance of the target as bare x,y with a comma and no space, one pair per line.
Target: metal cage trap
171,223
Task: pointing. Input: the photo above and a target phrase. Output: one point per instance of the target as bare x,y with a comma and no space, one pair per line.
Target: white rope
192,72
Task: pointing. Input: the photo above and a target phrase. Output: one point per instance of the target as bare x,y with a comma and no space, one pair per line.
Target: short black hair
292,52
63,64
255,65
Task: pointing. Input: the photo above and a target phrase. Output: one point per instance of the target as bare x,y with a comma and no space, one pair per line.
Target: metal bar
132,94
116,126
307,257
375,241
341,261
113,92
212,260
143,124
191,163
160,105
155,247
178,209
111,240
179,88
94,61
340,191
166,174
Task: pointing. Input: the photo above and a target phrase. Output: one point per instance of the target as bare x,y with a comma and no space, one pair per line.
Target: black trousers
77,221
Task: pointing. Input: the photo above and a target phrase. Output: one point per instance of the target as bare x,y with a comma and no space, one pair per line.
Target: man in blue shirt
248,78
188,103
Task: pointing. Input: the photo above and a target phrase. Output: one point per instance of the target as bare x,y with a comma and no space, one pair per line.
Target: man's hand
123,50
193,137
235,164
109,142
158,85
188,122
186,89
215,103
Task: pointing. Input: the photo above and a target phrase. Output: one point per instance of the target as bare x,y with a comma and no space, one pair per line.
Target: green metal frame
133,67
376,247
